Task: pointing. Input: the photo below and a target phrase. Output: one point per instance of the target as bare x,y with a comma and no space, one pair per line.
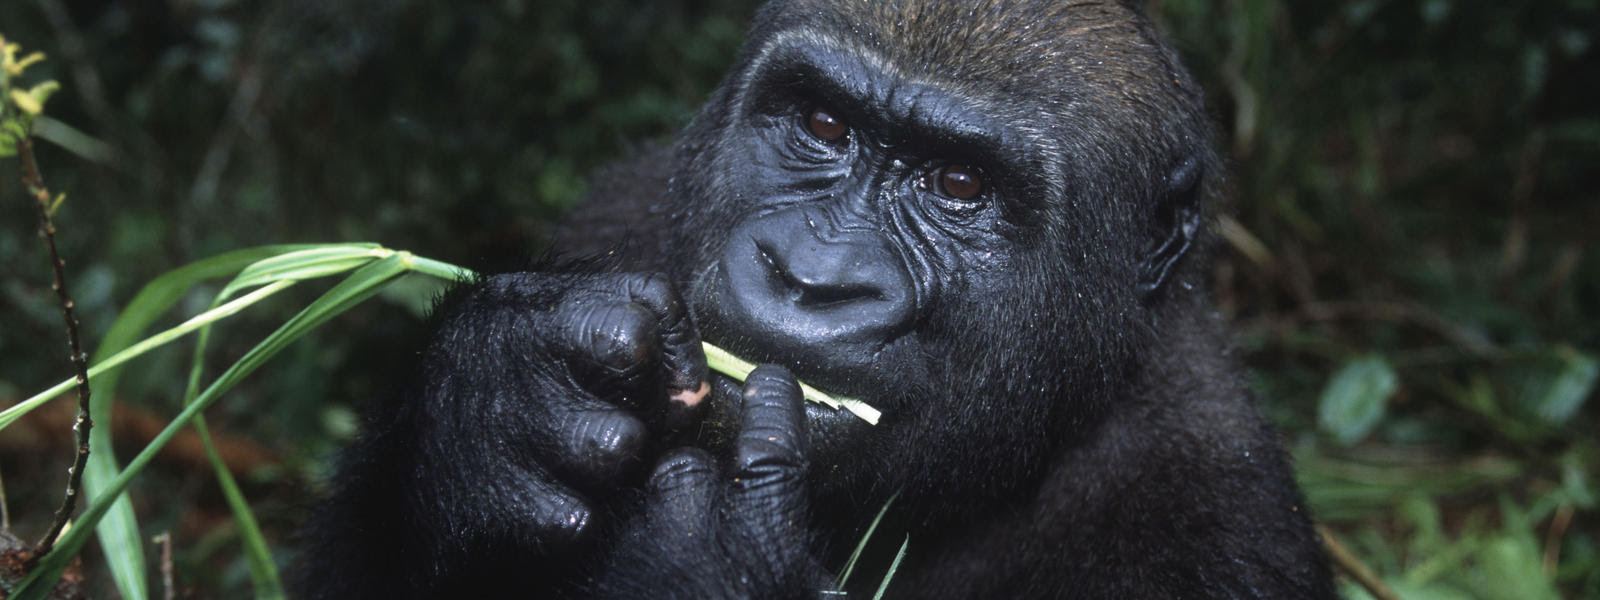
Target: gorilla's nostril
820,296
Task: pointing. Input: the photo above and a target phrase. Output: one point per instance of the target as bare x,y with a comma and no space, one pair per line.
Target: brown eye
959,182
825,126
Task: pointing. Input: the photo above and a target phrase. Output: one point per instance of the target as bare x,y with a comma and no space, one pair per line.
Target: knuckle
619,336
768,380
772,400
607,437
562,521
654,287
680,469
770,457
769,477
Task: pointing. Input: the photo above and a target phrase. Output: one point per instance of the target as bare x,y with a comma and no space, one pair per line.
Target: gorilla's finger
598,443
617,338
553,515
682,489
770,460
682,358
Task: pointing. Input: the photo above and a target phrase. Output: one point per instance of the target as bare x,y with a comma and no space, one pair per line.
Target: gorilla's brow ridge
937,114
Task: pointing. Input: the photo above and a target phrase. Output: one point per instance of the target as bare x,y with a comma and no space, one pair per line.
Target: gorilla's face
870,228
862,202
965,254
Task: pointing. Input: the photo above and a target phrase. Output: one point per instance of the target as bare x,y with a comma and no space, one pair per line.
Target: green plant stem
10,415
263,573
725,362
442,270
888,576
861,546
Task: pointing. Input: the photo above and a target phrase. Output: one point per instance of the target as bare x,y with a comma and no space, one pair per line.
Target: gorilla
984,218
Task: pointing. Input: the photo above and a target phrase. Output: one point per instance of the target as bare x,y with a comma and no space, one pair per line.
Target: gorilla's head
976,231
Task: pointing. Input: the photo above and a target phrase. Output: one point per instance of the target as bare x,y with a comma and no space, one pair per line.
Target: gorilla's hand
541,392
705,533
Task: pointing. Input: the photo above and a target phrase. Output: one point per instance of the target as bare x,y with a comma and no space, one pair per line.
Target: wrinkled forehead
1087,61
993,44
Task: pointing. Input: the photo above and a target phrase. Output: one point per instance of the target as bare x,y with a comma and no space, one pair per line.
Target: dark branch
32,180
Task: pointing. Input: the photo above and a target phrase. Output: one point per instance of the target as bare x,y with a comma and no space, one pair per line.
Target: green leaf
1575,480
357,287
13,129
1565,392
120,540
1355,399
263,572
888,576
290,266
309,263
850,565
1511,568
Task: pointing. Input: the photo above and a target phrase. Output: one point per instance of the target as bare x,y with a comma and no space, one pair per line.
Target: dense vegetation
1412,262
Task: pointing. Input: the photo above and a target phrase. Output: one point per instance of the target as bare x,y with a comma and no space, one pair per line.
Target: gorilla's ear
1179,213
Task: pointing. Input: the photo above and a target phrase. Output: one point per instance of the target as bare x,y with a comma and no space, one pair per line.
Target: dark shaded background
1415,186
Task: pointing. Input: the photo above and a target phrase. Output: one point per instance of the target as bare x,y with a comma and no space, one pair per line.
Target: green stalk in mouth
723,362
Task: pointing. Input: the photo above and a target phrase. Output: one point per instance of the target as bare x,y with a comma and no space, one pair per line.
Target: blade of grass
310,263
120,540
161,294
263,572
850,565
303,264
893,566
357,287
442,270
106,368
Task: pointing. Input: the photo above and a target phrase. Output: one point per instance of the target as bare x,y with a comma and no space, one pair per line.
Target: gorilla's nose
811,292
821,276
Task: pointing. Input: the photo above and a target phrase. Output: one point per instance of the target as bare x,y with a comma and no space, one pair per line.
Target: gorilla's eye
825,126
958,181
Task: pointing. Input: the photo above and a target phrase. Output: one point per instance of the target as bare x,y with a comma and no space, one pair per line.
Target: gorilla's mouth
834,308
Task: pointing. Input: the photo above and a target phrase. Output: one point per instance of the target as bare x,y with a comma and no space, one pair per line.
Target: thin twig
165,541
1552,538
32,180
1352,566
5,511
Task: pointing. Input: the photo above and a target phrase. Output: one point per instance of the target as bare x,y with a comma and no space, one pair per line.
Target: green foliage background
1412,264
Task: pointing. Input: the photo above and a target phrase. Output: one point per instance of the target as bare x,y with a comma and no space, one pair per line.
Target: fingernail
692,398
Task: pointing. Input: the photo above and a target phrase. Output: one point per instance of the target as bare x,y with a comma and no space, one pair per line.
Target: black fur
1061,416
